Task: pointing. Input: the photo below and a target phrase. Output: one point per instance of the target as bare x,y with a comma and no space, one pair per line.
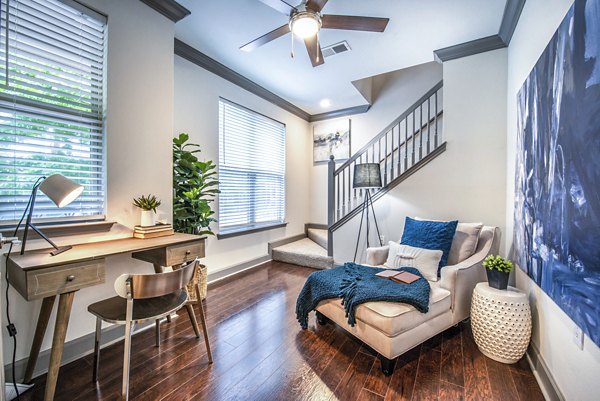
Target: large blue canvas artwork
557,197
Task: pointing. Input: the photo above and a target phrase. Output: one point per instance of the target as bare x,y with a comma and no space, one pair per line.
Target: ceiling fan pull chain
292,44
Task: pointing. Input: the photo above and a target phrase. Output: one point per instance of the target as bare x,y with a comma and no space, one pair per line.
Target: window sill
229,234
61,230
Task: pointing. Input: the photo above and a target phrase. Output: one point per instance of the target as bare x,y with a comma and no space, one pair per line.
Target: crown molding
469,48
350,111
169,8
187,52
195,56
510,19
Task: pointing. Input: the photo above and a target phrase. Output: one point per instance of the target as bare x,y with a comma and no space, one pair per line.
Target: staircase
309,251
402,148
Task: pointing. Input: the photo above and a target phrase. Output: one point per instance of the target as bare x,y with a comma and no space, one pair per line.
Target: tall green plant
194,188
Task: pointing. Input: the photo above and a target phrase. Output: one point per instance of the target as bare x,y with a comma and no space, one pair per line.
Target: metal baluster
421,131
352,170
428,120
406,144
435,136
385,178
412,136
344,192
337,196
392,157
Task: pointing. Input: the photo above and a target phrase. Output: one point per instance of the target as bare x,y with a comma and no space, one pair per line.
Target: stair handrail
387,129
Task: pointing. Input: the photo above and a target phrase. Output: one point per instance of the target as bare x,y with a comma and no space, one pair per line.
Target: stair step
319,236
304,252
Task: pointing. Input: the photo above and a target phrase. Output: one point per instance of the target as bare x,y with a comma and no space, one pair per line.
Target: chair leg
203,322
387,365
97,350
127,359
192,315
157,333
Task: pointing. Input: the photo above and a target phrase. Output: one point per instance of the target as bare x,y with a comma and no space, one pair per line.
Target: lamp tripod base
60,250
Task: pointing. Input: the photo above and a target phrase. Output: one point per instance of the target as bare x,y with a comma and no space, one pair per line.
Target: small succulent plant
498,263
149,202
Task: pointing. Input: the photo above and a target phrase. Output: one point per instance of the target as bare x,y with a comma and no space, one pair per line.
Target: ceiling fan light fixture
305,24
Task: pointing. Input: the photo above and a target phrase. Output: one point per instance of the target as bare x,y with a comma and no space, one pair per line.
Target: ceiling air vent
336,49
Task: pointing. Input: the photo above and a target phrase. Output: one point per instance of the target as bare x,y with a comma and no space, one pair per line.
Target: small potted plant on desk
148,204
498,270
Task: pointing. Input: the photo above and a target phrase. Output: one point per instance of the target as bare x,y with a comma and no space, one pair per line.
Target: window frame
233,231
74,223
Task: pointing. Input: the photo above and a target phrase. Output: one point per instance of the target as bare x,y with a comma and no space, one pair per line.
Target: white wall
575,371
139,129
461,183
197,93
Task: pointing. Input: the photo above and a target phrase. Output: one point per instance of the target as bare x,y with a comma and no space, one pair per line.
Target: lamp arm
29,216
28,223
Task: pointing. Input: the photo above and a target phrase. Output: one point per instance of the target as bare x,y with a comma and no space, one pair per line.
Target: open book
399,276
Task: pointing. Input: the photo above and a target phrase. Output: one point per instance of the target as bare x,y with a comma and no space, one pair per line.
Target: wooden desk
36,274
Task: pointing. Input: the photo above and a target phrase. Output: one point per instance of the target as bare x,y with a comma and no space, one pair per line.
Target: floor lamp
367,176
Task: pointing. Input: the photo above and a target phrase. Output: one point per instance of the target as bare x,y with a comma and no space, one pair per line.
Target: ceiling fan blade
266,38
314,49
354,23
280,6
316,5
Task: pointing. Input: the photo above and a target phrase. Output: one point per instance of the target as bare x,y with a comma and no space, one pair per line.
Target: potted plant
194,188
148,204
497,269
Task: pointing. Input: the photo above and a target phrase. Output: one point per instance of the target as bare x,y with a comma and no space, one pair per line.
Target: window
51,105
251,169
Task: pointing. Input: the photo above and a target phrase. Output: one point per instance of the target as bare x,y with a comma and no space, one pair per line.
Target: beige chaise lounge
391,328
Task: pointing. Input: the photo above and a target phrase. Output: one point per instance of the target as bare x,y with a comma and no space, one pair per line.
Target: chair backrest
155,285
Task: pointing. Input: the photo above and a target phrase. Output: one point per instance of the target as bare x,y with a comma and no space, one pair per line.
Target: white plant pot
148,218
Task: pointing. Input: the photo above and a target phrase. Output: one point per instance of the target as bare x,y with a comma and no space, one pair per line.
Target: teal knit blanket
356,284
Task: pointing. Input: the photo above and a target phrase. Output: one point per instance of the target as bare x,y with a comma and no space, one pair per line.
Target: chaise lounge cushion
393,318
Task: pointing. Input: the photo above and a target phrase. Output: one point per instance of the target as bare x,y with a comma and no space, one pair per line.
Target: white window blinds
51,105
251,169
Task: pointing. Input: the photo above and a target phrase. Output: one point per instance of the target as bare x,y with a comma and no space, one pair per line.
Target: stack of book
158,230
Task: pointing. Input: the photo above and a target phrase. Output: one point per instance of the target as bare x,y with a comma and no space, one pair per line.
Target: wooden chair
143,297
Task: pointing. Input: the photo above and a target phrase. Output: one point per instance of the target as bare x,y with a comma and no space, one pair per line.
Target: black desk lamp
62,191
367,176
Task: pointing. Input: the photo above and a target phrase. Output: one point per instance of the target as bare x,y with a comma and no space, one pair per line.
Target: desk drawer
178,254
60,279
173,254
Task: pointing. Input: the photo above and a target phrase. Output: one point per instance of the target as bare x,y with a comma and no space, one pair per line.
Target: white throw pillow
425,260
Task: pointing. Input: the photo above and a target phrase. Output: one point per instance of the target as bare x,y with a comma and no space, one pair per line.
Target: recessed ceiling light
325,103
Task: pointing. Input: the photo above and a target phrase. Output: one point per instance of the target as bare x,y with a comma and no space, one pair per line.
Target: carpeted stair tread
304,252
319,236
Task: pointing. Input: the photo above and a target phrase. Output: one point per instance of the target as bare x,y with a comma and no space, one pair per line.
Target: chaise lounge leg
387,365
321,318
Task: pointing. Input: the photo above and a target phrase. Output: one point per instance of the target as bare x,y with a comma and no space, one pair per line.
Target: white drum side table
501,322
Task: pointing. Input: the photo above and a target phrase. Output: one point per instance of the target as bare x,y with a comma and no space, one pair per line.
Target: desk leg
38,337
65,302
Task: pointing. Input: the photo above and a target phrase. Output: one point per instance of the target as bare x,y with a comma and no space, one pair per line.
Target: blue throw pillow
437,235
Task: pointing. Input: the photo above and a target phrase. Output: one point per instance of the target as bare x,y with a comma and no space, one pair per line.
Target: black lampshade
367,175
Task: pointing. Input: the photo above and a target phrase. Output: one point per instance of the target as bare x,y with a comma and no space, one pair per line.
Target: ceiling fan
306,20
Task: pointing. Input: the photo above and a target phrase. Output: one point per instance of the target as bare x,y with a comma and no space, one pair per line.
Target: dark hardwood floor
260,353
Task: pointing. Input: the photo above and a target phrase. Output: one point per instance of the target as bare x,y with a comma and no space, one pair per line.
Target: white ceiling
416,28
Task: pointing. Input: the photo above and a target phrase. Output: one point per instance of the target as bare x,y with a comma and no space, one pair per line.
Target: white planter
148,218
